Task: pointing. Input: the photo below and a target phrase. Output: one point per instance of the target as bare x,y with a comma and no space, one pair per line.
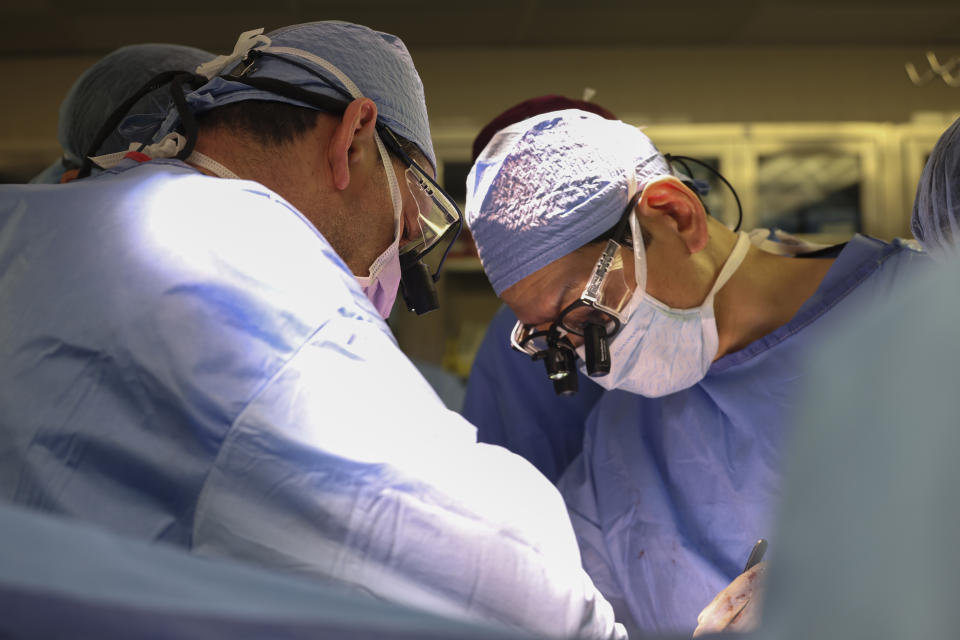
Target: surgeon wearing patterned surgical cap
936,207
615,271
102,88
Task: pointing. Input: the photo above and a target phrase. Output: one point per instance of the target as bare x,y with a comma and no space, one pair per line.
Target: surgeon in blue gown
193,349
681,462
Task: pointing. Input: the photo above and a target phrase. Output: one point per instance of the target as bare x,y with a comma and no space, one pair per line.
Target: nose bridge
575,340
543,326
561,333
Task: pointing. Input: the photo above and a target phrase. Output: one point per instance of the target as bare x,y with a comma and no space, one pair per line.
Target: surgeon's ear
681,209
350,140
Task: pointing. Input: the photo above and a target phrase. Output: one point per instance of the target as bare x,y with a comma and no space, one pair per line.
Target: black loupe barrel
596,350
417,287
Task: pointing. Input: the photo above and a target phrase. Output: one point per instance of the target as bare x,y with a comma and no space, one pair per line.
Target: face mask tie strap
736,257
247,41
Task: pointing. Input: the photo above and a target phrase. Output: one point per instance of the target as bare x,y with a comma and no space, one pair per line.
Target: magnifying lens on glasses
438,224
555,349
595,317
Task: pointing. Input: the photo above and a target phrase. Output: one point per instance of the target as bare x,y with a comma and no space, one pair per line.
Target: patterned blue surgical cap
548,185
936,208
377,63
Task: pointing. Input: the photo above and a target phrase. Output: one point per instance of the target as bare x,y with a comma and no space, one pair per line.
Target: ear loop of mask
639,258
596,344
388,255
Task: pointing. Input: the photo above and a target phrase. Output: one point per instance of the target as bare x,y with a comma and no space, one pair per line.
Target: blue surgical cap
103,87
378,63
936,208
548,185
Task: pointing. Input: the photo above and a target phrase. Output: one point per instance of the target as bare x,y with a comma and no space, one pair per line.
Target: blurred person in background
866,538
936,207
102,88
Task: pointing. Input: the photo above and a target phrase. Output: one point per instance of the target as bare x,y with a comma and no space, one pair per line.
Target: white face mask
383,280
661,350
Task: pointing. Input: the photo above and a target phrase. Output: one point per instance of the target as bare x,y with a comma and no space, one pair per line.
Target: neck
291,170
268,166
763,295
297,171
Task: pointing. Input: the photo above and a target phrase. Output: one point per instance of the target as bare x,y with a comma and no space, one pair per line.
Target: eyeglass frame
588,297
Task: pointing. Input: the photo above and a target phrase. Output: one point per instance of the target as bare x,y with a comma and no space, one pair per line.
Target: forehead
540,296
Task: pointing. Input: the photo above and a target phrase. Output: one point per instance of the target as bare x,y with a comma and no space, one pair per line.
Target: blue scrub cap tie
349,58
550,184
936,208
103,87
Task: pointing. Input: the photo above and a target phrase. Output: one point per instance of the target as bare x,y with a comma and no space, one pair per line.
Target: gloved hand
736,608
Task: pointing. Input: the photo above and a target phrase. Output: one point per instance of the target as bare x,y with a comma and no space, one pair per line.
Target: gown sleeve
576,485
348,467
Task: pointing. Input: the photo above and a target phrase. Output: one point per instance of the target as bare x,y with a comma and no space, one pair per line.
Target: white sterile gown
186,359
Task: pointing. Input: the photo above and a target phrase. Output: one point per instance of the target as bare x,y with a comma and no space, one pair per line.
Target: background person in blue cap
680,468
198,354
101,89
936,207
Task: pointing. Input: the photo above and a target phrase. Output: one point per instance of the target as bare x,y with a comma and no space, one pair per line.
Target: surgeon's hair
271,124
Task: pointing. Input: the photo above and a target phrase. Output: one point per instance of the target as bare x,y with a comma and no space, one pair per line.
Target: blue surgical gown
186,359
512,403
670,494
